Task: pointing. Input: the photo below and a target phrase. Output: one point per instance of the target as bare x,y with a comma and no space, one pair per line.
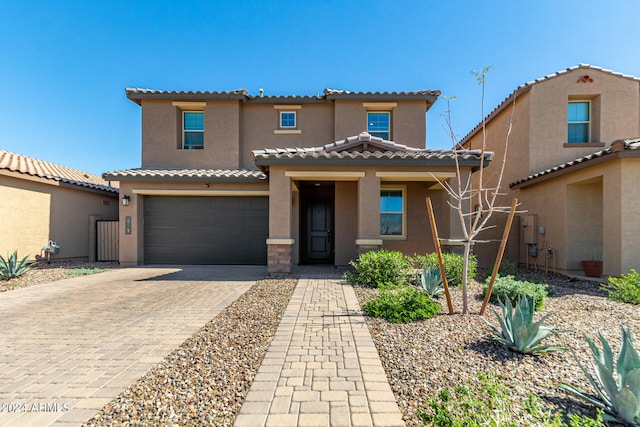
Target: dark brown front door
318,226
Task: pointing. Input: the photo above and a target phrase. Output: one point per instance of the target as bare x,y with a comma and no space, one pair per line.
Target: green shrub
11,267
508,287
452,265
507,268
381,268
487,402
625,288
402,305
85,271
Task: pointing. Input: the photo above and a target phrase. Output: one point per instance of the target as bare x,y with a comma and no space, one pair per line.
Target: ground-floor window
392,212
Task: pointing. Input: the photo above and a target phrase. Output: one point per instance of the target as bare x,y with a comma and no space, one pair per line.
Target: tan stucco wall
346,222
615,114
589,212
259,121
34,212
161,136
630,197
408,121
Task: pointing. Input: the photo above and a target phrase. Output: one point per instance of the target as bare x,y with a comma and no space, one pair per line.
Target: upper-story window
379,124
288,120
192,130
579,122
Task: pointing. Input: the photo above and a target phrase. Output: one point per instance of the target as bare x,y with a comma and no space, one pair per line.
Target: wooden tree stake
436,242
503,244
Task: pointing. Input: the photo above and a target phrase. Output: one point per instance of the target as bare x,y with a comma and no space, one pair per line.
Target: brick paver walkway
322,368
69,347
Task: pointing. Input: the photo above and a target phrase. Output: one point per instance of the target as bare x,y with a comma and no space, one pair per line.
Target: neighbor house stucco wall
41,210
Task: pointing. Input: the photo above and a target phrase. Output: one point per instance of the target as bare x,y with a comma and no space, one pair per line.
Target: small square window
378,124
579,122
192,130
392,212
288,120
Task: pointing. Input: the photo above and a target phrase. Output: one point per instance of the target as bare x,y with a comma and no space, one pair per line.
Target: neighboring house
42,202
573,162
230,178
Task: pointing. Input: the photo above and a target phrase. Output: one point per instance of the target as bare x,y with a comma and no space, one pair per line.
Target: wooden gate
107,241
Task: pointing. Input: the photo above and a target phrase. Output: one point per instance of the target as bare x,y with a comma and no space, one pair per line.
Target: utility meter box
530,229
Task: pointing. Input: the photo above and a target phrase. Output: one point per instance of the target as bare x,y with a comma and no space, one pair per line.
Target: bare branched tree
463,195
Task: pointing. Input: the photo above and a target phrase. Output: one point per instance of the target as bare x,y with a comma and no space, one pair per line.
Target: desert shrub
517,331
452,265
381,268
11,267
625,288
507,268
511,288
402,305
487,401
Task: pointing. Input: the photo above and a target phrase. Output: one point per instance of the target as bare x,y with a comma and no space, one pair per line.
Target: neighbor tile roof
615,147
178,174
526,86
339,151
39,168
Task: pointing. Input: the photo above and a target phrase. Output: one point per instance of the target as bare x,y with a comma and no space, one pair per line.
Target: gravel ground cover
206,379
45,273
421,358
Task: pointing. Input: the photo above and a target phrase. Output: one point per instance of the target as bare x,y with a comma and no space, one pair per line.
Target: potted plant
593,267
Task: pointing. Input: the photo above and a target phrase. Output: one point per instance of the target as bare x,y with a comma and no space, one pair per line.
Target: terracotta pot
592,268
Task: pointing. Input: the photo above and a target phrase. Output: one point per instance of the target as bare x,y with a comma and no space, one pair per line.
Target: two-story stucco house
573,162
230,178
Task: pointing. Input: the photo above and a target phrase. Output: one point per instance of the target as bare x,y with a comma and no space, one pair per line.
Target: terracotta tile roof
39,168
615,147
344,94
177,174
138,94
526,86
383,150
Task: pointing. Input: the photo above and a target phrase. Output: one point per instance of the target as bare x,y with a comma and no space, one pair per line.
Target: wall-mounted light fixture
125,200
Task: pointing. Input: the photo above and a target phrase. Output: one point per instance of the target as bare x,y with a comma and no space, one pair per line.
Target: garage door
206,230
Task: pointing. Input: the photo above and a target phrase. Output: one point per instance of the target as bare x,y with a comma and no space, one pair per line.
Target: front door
317,231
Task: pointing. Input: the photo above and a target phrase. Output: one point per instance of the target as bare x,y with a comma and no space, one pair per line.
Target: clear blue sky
64,65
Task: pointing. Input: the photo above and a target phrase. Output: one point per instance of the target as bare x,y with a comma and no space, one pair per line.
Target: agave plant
518,331
431,281
618,390
11,267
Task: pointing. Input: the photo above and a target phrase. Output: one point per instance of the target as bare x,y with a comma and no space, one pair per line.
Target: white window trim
184,131
402,188
378,112
295,119
588,122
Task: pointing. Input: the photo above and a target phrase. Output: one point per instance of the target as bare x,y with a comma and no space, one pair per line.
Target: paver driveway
69,347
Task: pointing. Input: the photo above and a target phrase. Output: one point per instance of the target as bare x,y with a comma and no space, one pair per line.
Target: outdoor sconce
125,200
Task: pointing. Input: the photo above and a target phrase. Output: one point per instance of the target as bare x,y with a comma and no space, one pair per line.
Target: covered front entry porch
330,204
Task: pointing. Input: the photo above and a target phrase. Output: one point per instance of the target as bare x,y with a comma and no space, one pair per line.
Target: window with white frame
192,130
579,117
288,120
392,212
379,124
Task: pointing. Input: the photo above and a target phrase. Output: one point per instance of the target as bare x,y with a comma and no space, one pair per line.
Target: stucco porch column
368,213
131,226
280,241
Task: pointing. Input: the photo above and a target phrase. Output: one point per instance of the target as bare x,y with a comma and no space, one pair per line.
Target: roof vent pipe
261,92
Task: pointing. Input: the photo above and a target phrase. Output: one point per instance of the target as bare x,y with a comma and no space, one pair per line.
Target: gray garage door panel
206,230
